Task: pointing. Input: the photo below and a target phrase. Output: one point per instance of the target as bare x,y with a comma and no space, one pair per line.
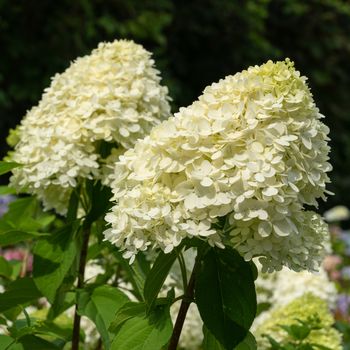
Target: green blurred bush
194,43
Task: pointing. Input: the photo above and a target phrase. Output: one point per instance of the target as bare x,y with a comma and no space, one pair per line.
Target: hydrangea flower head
112,95
251,151
302,309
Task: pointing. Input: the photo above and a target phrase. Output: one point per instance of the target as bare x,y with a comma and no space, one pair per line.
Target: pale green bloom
337,213
112,95
252,149
301,308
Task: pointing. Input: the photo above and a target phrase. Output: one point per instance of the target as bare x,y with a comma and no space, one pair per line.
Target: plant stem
183,269
81,272
185,304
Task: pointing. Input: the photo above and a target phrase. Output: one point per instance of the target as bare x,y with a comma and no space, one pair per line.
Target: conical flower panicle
303,308
251,149
112,95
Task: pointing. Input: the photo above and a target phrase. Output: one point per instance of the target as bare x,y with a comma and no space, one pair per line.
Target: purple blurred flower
4,203
343,305
345,272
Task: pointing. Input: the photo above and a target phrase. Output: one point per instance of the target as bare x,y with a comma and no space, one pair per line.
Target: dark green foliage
194,42
19,292
100,305
53,258
5,167
225,296
156,277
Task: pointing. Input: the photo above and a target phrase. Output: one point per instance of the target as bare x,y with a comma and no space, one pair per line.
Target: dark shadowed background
194,43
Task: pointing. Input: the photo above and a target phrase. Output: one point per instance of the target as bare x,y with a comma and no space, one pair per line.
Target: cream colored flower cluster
252,149
112,95
282,287
300,309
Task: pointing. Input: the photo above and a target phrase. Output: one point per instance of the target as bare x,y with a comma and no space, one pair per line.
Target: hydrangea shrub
196,197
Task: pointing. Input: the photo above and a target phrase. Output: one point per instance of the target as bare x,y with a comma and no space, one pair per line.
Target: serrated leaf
19,292
6,167
100,306
143,332
225,295
53,259
156,277
127,311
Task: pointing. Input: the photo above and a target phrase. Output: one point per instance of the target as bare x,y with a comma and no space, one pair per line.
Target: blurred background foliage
194,43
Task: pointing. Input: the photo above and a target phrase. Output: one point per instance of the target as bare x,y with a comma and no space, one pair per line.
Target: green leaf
299,332
53,259
15,236
249,343
210,342
254,269
225,295
156,277
6,341
19,211
73,205
19,292
19,222
143,332
5,167
126,312
31,342
136,272
100,306
64,299
5,190
5,268
273,343
99,199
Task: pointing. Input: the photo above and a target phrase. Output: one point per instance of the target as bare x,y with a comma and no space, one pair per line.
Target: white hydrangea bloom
112,95
291,285
281,287
253,149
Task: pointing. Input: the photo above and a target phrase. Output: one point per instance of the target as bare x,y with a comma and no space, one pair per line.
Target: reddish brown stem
185,304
